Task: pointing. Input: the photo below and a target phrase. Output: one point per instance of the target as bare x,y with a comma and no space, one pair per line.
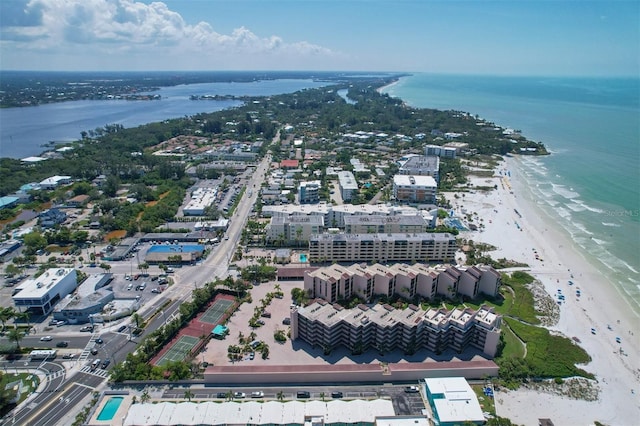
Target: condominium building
421,165
386,328
348,185
440,151
418,247
335,282
309,192
288,229
415,189
360,224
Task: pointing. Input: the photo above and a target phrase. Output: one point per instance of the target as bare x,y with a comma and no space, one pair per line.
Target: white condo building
415,189
348,185
419,247
421,165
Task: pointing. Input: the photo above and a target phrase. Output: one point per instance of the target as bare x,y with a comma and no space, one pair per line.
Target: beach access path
521,230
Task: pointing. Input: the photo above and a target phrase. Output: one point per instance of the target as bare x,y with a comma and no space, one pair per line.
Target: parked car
257,394
68,356
87,328
286,321
156,291
122,328
336,394
252,356
221,395
411,389
62,344
303,394
46,338
239,395
266,314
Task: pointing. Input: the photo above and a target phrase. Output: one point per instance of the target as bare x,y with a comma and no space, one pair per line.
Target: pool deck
118,417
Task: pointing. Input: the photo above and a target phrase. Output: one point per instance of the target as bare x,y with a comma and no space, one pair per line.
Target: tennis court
215,313
179,350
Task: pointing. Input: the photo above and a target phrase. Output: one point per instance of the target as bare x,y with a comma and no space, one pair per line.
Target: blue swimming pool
110,408
303,258
175,248
454,222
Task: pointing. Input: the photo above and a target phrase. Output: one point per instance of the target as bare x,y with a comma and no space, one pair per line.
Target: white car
258,394
239,395
46,338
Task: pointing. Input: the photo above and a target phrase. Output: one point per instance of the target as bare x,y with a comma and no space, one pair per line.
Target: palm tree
15,335
280,396
322,396
145,397
188,394
137,318
6,314
25,317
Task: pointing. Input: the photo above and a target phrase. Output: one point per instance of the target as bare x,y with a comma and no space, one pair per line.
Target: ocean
589,187
25,131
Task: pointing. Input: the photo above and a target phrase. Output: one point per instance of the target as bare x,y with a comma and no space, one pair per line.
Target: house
52,217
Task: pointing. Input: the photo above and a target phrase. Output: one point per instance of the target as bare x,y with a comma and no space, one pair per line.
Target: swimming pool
175,248
110,408
303,258
454,222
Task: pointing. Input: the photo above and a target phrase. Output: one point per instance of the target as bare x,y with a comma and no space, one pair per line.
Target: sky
506,37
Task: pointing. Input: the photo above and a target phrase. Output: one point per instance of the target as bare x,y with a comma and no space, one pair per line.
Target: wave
564,192
582,228
629,267
599,242
575,207
563,213
615,225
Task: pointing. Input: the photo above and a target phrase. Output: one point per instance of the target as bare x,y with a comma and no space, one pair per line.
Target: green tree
188,394
15,335
145,397
6,314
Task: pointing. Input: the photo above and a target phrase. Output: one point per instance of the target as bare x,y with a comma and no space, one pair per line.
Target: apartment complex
287,229
309,192
336,282
398,247
348,185
421,165
440,151
415,189
385,328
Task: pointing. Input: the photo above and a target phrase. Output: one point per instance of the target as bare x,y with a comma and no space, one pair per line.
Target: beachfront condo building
421,165
385,328
395,247
335,282
415,189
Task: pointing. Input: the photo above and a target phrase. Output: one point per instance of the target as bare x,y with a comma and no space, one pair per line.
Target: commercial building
453,401
415,189
419,247
336,282
89,299
356,412
348,185
201,199
421,165
40,294
386,328
309,192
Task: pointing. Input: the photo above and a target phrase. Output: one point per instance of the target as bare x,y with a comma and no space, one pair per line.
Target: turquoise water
590,184
303,257
170,248
110,408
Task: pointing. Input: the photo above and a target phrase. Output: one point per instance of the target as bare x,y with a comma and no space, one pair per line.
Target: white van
95,364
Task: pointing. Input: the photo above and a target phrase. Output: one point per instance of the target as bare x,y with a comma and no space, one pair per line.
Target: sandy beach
522,235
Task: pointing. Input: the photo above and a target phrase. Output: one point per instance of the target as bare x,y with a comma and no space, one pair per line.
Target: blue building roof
8,201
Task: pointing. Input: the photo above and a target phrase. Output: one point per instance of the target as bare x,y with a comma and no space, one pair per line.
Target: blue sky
466,37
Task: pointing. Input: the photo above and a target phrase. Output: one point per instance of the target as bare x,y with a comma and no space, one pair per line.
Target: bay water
25,131
589,187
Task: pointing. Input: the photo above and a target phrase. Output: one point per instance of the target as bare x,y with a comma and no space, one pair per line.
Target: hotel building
398,247
385,328
336,282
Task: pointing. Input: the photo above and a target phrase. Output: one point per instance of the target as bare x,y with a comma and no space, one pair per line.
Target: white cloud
127,26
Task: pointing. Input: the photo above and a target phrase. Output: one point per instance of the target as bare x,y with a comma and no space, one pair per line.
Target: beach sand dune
522,232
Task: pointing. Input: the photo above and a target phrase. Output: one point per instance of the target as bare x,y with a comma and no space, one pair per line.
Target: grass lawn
487,403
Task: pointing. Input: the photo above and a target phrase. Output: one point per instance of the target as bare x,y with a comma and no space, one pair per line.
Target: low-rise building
453,402
440,151
54,181
419,247
51,217
415,189
38,295
88,300
386,328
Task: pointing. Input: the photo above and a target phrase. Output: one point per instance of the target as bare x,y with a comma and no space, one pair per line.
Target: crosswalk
96,371
56,374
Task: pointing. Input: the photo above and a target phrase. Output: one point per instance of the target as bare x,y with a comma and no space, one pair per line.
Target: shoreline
530,235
